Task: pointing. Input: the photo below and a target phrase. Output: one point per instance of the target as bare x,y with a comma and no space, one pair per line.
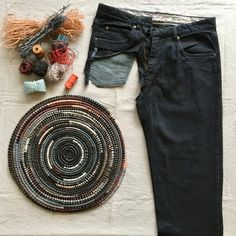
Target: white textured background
131,210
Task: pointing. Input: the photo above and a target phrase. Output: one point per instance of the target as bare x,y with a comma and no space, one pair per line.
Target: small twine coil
35,86
40,68
26,67
38,51
56,72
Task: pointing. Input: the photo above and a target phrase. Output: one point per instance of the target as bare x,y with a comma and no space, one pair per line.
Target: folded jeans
179,106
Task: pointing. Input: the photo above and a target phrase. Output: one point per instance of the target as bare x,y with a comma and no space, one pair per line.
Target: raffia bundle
17,30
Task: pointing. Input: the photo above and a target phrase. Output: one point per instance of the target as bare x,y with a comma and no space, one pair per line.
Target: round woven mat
67,154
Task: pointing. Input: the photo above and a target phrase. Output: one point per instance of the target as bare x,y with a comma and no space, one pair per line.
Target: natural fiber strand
72,26
53,22
17,30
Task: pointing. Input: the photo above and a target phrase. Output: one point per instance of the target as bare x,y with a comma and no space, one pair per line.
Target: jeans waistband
105,12
155,21
207,24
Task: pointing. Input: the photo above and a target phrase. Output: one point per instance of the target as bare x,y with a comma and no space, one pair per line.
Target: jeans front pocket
112,32
197,44
112,53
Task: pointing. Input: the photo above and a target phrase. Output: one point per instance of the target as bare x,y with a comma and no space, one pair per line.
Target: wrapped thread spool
71,81
38,51
35,86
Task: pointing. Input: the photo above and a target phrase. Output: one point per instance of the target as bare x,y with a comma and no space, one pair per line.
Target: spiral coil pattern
67,154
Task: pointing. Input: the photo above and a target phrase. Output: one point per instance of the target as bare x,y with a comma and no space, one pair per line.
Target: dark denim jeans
180,108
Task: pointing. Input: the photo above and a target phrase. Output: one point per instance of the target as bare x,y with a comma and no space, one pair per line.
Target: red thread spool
71,81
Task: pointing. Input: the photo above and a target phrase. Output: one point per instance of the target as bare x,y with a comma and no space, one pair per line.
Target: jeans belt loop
175,33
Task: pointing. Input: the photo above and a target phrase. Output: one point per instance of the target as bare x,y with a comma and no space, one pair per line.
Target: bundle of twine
16,31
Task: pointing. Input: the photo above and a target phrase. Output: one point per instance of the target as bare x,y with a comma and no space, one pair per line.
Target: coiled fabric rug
67,154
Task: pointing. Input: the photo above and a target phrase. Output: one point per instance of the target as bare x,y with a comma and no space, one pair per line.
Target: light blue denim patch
112,71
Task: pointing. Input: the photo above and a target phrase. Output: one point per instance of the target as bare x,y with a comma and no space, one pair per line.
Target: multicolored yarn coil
61,57
67,154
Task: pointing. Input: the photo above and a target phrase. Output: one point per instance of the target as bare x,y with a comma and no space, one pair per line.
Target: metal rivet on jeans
107,27
134,26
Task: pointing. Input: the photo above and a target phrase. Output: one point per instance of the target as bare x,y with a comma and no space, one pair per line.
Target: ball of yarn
26,67
40,68
35,86
62,55
55,72
61,46
61,42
